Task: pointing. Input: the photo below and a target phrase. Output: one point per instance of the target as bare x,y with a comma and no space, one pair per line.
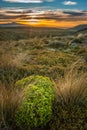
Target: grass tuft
10,99
72,89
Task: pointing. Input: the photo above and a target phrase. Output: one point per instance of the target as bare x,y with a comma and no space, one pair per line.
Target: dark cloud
27,14
75,13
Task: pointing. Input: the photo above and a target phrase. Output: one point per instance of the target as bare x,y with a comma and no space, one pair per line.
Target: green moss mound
36,107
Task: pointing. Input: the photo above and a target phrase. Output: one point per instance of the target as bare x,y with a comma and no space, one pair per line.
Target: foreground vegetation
43,80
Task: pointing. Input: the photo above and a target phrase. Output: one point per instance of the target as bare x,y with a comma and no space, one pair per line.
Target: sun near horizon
52,23
48,23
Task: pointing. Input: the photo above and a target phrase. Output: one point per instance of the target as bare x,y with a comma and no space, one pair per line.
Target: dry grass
72,89
70,107
9,101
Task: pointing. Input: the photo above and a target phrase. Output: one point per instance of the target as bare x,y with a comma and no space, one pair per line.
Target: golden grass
10,99
72,89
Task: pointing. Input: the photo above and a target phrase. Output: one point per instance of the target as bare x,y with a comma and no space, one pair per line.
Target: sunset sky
44,13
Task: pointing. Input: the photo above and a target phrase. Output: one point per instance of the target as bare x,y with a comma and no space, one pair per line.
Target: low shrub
69,117
36,107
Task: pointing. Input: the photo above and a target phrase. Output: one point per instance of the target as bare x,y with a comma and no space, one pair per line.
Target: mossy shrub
36,107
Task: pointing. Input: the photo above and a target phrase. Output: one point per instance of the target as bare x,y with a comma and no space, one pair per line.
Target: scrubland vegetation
43,79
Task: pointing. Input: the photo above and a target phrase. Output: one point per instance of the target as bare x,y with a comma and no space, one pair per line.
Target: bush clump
69,117
36,107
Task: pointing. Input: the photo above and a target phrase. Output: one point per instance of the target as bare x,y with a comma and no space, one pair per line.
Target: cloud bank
24,1
69,3
28,1
43,17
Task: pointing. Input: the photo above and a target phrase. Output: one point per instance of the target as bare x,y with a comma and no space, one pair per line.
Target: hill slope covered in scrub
59,54
80,27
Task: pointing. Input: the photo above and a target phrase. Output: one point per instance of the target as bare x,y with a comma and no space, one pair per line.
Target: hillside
11,25
34,60
79,27
25,32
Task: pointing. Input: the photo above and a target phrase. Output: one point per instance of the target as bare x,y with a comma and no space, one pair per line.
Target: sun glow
50,23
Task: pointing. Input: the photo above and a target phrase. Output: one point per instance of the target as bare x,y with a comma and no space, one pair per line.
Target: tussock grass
10,99
70,106
72,89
